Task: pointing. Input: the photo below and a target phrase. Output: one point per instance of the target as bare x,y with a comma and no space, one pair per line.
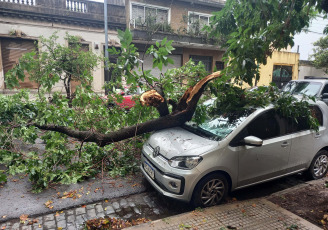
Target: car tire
210,190
319,165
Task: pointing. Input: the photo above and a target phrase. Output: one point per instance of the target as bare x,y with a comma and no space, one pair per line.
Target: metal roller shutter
12,50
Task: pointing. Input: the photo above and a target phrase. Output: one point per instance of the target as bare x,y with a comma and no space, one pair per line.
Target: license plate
149,170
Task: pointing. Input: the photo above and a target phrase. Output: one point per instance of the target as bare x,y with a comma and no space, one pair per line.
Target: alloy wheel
320,165
212,192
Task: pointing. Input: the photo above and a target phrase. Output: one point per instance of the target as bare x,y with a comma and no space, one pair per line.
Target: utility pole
106,46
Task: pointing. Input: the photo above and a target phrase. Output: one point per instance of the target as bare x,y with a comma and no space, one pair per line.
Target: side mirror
325,96
253,141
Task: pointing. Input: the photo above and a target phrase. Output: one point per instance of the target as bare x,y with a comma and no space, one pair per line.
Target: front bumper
171,182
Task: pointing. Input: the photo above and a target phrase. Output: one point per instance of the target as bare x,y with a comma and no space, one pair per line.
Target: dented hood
180,142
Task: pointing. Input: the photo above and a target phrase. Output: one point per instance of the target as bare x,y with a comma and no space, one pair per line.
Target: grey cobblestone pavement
255,214
152,206
144,205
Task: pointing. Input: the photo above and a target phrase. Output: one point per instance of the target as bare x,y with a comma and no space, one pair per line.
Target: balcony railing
76,6
23,2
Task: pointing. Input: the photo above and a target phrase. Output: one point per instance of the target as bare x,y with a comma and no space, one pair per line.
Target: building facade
22,22
281,67
178,20
307,69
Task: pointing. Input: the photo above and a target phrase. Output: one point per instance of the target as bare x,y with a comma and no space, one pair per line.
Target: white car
201,164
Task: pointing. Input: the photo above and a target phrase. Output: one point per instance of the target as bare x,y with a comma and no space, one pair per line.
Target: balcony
76,12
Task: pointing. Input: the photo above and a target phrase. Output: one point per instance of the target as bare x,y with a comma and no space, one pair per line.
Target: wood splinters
151,98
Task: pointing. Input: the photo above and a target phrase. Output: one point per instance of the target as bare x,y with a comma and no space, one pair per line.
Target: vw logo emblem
156,151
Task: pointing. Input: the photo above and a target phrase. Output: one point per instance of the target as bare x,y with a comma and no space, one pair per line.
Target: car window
303,87
301,123
264,126
325,90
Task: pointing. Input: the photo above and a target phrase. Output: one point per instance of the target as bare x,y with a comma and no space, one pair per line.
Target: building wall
307,69
35,29
278,58
178,10
216,54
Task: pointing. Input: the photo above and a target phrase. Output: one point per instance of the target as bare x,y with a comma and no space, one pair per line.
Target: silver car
202,163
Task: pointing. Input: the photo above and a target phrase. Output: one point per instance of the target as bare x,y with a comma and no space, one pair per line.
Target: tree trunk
183,112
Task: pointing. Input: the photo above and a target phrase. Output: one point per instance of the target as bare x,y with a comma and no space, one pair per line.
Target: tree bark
182,113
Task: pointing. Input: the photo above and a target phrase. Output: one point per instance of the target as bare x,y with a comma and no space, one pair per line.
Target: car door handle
284,144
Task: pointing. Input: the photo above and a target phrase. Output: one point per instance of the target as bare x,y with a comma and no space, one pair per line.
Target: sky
305,40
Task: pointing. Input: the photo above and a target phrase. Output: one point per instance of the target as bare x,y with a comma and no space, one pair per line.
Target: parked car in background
129,98
317,87
202,163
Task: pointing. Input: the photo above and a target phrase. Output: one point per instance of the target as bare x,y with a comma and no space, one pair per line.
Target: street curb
178,220
297,187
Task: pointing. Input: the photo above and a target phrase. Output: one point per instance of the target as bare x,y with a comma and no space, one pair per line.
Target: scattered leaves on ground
48,204
34,221
74,194
23,218
112,223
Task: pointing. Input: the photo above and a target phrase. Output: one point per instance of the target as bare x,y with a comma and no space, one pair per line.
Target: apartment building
22,22
178,20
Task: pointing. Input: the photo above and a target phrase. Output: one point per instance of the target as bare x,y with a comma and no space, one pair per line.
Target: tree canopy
320,55
254,29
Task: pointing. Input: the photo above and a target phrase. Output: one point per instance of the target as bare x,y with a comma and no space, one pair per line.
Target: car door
304,141
271,159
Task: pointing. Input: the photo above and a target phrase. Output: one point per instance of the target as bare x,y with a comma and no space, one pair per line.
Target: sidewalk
252,214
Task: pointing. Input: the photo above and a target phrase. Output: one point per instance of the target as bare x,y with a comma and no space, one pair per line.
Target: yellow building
280,68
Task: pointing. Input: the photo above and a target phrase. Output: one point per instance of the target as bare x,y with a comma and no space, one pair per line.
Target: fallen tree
252,36
181,113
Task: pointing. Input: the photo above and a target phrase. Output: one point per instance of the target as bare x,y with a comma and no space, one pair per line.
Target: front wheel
211,190
319,165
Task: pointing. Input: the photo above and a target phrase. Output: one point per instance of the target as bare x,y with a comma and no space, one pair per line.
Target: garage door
148,64
12,50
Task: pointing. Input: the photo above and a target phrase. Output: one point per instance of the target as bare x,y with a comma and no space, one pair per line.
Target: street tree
254,29
320,55
53,63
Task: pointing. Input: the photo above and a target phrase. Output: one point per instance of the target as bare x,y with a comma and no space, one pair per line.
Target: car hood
180,142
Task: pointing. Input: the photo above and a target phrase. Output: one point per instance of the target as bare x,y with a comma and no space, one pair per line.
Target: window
264,126
196,21
282,74
219,65
206,60
303,87
148,15
302,124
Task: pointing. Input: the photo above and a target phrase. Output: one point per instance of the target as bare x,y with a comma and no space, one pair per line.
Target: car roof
311,80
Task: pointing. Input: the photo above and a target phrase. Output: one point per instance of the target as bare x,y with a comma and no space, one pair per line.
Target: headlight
185,162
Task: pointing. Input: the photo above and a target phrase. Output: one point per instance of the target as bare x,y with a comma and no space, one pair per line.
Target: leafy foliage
320,56
68,161
3,176
256,28
53,63
233,102
64,159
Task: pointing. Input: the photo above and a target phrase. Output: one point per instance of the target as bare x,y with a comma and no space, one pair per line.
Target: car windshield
303,87
215,128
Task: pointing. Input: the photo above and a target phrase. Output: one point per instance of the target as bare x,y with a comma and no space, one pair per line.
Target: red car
127,102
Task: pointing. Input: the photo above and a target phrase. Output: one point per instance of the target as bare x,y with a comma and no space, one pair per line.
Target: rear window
303,87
